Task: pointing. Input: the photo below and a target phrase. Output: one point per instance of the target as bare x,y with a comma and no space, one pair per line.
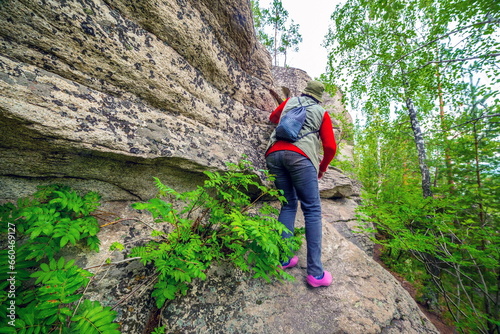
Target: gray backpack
291,123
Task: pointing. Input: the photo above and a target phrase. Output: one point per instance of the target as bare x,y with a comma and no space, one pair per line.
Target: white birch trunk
419,142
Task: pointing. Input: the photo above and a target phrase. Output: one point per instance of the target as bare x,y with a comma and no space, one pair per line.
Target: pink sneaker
292,263
325,281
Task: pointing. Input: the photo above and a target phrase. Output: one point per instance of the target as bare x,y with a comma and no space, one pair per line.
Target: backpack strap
298,98
307,134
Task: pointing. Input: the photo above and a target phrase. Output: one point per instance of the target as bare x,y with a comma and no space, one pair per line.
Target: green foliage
217,222
458,259
260,24
37,228
54,217
94,318
286,36
447,244
116,246
159,330
423,52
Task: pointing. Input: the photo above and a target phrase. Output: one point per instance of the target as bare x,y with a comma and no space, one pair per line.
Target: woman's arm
328,140
276,114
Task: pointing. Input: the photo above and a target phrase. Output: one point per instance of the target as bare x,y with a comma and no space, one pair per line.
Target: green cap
315,89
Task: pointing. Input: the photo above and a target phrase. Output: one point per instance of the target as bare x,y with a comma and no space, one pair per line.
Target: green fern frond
93,318
53,218
214,224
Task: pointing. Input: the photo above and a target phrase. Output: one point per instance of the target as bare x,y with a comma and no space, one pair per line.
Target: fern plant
218,221
159,330
37,228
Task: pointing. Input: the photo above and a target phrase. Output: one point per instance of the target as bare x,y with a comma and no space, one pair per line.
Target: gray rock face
364,298
335,184
341,213
116,94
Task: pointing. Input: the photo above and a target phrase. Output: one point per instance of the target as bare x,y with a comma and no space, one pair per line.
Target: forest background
424,76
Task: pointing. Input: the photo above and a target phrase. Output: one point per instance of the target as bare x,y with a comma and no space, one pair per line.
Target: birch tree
274,31
260,24
290,39
405,65
391,49
276,16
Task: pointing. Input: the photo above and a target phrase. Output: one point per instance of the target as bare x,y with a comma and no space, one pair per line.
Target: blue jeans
297,177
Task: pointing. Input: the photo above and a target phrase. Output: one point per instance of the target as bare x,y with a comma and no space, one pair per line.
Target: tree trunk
419,142
482,217
276,44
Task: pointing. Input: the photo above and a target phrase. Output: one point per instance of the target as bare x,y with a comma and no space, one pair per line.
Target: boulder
363,298
335,184
341,213
110,95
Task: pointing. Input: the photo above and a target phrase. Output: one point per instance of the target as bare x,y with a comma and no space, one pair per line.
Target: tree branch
452,61
112,263
463,59
443,36
473,120
435,40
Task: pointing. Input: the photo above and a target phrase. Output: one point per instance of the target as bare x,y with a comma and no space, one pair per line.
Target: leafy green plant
159,330
454,262
37,228
218,221
54,217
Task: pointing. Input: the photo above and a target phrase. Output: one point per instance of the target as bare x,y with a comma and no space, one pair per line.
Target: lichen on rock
167,84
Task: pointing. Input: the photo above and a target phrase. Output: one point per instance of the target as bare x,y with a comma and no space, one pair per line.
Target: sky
313,16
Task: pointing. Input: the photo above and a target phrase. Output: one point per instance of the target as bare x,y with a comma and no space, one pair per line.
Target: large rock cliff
105,94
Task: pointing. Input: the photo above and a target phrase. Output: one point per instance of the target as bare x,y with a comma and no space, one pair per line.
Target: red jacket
325,133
